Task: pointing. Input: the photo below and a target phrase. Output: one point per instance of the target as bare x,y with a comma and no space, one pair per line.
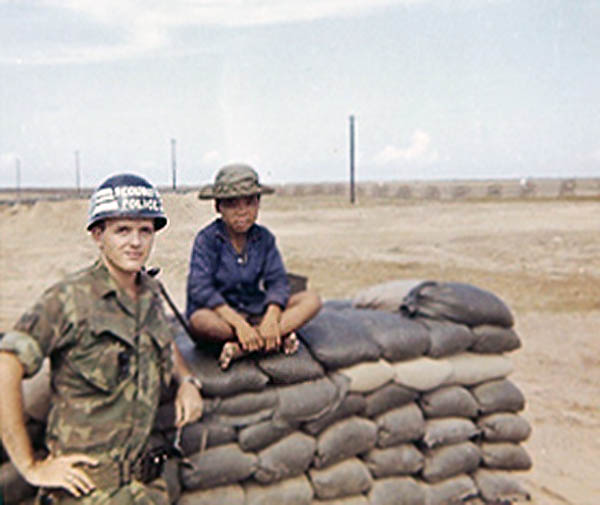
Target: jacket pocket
101,361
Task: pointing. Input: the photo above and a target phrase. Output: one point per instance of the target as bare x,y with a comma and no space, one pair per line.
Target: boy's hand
270,332
249,338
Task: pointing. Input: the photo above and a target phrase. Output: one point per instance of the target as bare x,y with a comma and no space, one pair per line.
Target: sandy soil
541,257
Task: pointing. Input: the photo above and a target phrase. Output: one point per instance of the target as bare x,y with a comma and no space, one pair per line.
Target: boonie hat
126,195
233,181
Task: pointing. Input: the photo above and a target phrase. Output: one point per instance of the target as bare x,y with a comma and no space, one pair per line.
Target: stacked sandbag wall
408,406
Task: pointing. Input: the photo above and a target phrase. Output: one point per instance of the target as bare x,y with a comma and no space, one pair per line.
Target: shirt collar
106,285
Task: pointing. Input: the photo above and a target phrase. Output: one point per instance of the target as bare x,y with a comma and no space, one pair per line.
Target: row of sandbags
409,404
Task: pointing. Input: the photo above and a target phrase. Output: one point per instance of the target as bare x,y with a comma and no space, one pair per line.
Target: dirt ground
541,257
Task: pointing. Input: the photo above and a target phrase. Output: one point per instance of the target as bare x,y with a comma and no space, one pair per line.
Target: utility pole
352,191
77,173
18,177
173,164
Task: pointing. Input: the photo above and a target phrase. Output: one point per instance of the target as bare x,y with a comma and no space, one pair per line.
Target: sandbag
365,377
239,410
448,430
225,495
388,397
289,369
453,491
498,485
352,404
449,401
333,444
505,456
295,491
423,374
202,435
247,403
13,487
498,396
337,304
37,393
403,459
398,337
469,368
450,460
347,500
259,436
504,427
308,400
287,458
458,302
225,464
397,491
495,339
336,341
384,296
347,478
446,337
403,424
243,375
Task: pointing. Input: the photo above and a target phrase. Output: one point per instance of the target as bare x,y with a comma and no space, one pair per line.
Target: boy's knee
309,300
314,299
205,323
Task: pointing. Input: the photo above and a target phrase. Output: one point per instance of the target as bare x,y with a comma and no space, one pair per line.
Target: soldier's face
239,213
125,244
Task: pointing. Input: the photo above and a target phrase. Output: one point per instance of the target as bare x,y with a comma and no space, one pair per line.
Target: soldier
238,295
111,350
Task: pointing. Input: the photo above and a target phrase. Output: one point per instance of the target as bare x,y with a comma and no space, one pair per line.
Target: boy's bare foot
230,351
290,343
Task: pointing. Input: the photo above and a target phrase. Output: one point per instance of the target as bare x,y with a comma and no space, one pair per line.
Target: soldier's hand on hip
62,472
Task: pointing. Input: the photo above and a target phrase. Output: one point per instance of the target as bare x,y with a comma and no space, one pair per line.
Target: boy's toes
229,351
290,343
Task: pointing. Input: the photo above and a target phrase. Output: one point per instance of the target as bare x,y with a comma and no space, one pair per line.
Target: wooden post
77,173
173,165
18,178
352,190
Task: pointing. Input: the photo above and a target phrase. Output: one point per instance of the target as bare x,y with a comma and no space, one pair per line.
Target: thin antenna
173,164
18,177
77,173
352,191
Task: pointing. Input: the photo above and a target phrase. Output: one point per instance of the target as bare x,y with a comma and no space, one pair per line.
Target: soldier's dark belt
114,474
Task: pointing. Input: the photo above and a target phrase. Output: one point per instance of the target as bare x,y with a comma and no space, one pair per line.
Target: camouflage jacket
109,355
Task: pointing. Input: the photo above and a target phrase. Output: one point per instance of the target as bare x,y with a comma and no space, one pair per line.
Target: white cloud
419,149
137,27
8,160
211,158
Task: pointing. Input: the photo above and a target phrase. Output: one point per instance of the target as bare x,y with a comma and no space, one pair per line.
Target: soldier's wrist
192,379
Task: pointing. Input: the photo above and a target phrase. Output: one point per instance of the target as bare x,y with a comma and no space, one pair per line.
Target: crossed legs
207,326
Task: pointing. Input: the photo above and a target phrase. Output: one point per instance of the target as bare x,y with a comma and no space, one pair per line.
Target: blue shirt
247,282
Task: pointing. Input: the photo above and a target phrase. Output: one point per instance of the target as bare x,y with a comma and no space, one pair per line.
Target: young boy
237,290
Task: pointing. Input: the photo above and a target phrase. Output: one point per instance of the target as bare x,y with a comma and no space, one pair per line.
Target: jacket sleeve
275,277
201,289
41,329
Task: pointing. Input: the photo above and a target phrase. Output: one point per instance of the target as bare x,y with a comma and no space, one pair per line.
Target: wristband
192,379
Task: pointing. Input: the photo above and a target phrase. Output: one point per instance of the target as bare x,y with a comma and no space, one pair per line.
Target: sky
439,89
